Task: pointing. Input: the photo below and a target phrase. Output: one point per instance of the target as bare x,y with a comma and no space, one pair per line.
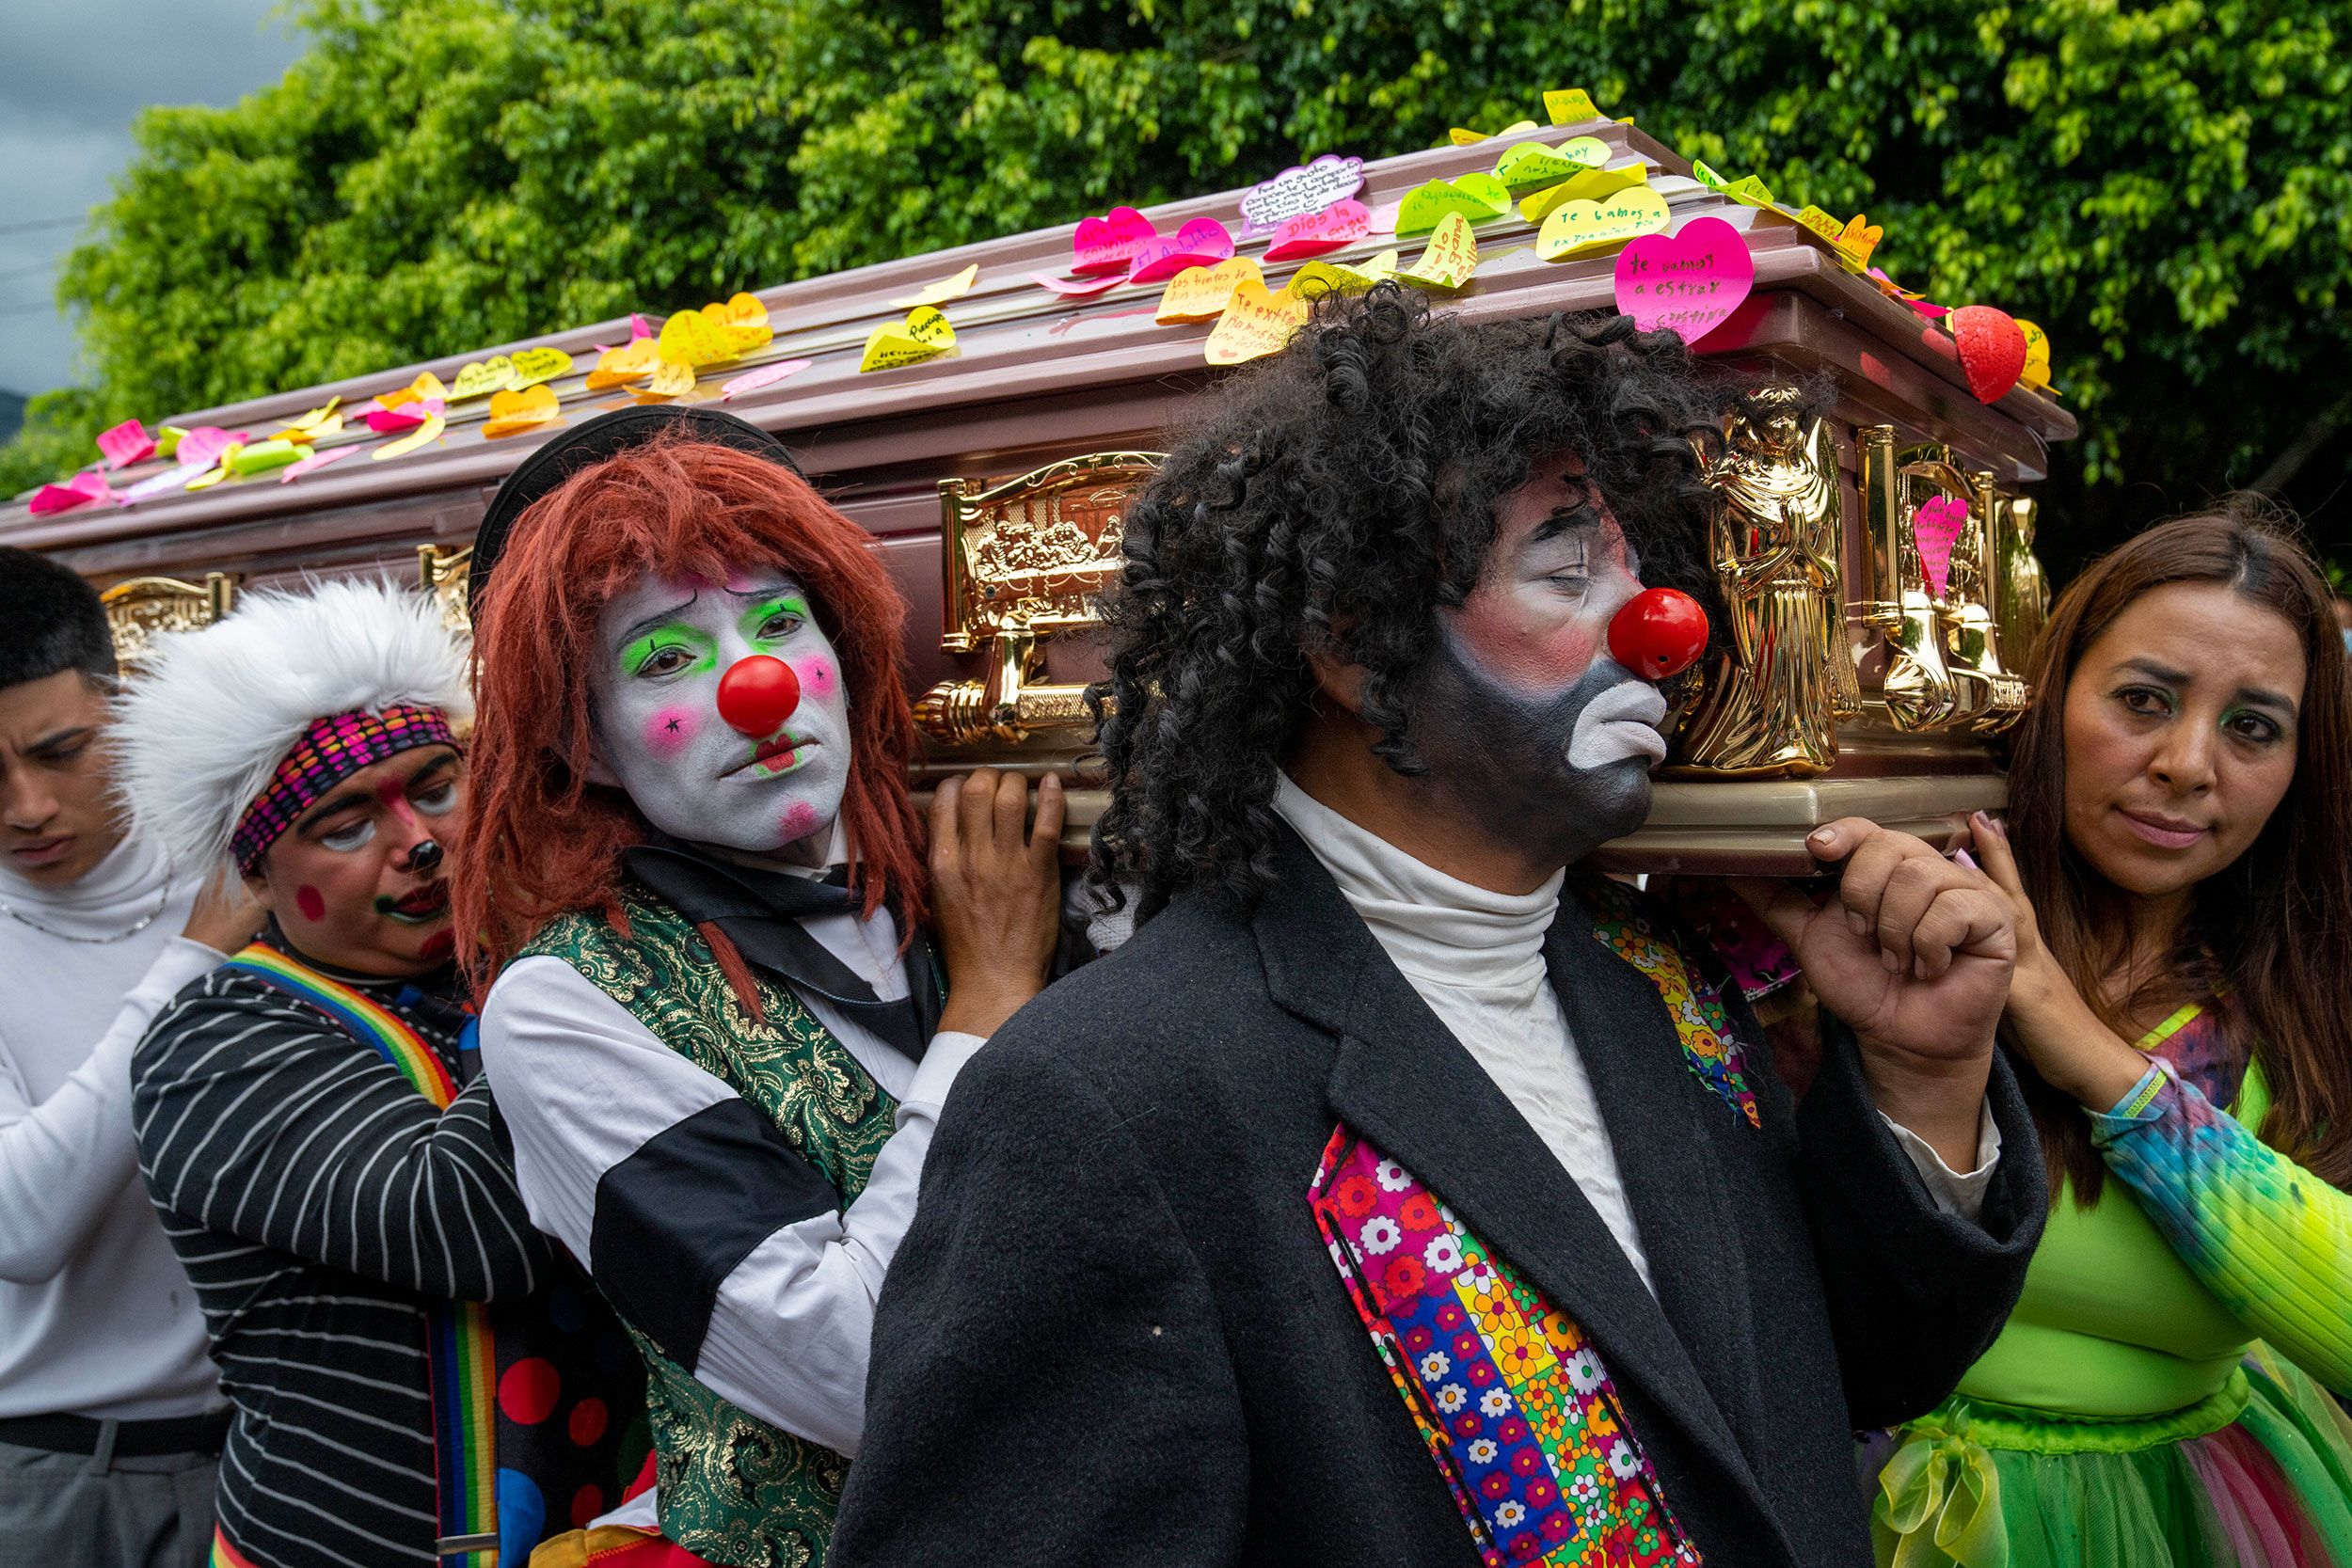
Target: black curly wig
1334,498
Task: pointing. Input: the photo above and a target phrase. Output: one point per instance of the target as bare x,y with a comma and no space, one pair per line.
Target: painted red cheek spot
817,677
668,731
757,694
439,946
1657,633
307,899
800,821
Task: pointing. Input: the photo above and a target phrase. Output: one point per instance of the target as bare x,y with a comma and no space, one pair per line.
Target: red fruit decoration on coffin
757,694
1657,633
1991,350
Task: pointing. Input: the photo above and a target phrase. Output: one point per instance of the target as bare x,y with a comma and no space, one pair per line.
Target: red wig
540,840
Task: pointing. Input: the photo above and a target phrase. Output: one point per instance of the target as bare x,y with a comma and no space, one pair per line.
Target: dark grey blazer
1113,1334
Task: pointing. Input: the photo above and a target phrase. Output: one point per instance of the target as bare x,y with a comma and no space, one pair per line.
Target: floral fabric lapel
1513,1405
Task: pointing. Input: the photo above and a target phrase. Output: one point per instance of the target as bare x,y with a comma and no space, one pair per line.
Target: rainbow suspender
464,1364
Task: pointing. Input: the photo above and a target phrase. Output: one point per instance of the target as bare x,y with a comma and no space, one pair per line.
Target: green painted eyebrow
674,635
786,601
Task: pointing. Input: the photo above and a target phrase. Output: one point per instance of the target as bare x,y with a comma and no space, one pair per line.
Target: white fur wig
203,725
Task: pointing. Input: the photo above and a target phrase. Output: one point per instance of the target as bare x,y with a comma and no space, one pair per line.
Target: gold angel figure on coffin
1771,707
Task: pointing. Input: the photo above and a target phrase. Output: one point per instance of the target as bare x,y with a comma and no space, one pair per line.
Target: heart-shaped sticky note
1571,106
1935,526
690,338
81,490
1255,323
1461,137
2037,370
1856,241
483,377
429,430
409,414
427,385
668,381
1317,278
1532,165
534,365
1451,259
924,334
1299,191
1078,288
767,375
1594,184
1108,244
512,411
942,290
742,321
261,457
1575,227
125,444
313,463
1201,243
205,443
1991,350
1821,223
1200,293
1479,197
1341,223
316,425
618,367
1688,282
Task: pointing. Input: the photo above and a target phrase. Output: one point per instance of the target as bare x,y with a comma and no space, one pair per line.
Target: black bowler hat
603,436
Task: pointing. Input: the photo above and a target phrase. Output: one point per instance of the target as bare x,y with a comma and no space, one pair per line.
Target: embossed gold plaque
142,608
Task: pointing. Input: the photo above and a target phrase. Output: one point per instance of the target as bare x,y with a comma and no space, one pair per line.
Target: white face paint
663,647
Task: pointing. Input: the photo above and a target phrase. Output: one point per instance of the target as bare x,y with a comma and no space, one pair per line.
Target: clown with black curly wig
1401,1192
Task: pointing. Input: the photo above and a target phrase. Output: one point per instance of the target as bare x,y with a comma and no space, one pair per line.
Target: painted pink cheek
667,732
800,821
313,908
817,676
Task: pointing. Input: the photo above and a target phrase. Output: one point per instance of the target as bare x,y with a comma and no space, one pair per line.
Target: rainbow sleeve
2270,1240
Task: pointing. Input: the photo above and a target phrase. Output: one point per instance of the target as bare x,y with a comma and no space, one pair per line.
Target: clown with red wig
733,975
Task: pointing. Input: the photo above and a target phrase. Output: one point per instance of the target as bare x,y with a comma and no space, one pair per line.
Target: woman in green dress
2179,852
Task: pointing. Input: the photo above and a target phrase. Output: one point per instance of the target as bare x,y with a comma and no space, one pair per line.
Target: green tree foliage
2167,188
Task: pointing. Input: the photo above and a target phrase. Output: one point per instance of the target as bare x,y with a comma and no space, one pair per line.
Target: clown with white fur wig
309,1116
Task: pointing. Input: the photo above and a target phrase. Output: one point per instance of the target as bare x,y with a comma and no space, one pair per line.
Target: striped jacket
317,1201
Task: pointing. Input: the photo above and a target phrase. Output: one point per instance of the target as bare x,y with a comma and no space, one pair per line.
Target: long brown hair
540,840
2272,931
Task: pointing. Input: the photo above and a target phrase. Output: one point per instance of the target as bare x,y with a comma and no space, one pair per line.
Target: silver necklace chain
162,899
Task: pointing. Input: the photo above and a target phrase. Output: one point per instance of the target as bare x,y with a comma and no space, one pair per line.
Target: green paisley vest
734,1490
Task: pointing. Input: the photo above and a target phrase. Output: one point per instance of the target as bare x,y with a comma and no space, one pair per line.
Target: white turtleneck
96,1315
1477,957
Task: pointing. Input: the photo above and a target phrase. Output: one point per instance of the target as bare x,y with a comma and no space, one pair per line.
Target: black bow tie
760,910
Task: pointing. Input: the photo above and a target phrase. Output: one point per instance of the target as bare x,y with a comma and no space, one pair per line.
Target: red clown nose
757,694
1657,633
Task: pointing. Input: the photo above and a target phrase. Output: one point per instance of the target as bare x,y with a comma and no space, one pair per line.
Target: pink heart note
1107,243
1201,243
1689,281
205,443
1936,526
1312,233
125,444
638,327
767,375
313,463
1078,288
82,489
1382,219
406,416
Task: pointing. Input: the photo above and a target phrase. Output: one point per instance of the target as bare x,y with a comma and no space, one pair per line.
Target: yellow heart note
1576,227
1200,293
618,367
1594,184
1571,106
483,377
1451,259
1255,323
669,381
2037,370
429,430
1855,241
512,411
1461,137
1821,223
694,340
1530,165
534,365
1317,278
944,289
924,334
427,385
742,321
315,425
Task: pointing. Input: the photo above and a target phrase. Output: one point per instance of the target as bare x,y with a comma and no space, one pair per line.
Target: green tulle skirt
2258,1476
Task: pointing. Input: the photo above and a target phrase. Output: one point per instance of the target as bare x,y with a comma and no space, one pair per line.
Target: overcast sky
72,74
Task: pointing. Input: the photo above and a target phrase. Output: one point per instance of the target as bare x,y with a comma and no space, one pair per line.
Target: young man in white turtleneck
111,1418
1404,1191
